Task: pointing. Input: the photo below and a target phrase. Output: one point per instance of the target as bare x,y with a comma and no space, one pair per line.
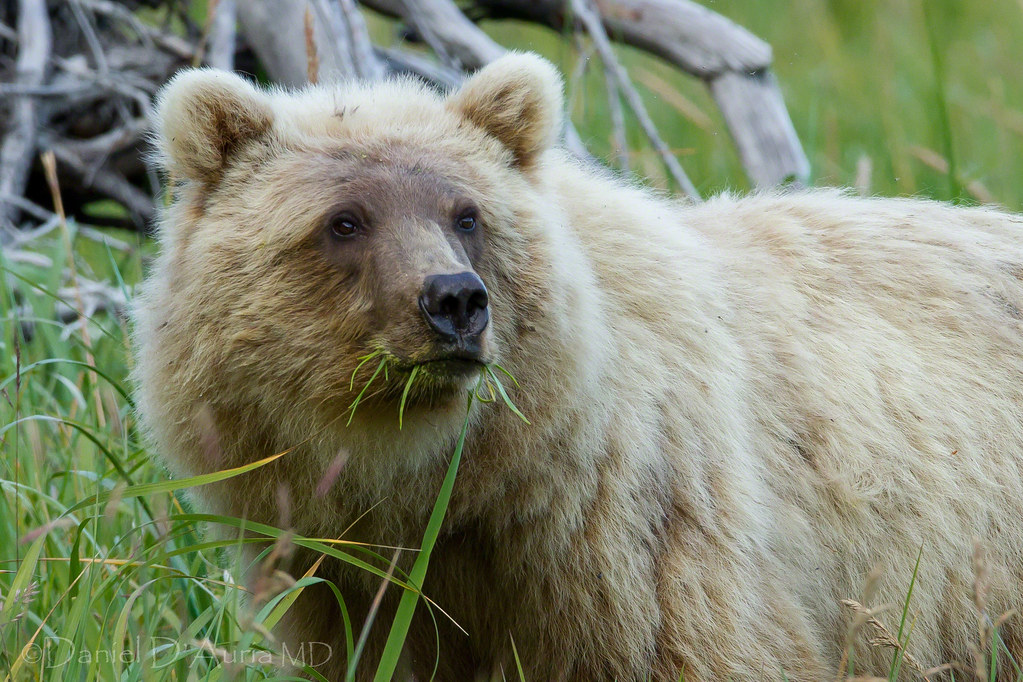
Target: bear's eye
343,226
466,223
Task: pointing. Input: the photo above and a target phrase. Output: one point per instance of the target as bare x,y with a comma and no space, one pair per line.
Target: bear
739,411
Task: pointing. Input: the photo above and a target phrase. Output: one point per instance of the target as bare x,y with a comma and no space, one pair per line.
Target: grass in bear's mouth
487,390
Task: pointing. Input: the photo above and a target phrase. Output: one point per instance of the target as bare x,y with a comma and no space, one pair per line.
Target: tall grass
104,572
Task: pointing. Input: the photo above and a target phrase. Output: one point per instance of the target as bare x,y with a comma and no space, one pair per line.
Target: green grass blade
146,489
507,373
75,564
897,656
117,273
77,363
362,361
518,662
994,655
955,191
407,605
504,395
358,398
404,394
52,294
22,578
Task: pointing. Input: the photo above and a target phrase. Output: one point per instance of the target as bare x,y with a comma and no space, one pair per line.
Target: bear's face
322,227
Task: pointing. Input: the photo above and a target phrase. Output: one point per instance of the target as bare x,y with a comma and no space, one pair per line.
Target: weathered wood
273,28
433,72
222,39
19,145
755,113
368,65
458,41
683,33
104,181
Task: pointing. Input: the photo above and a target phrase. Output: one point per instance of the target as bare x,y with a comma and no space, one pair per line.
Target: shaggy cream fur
737,408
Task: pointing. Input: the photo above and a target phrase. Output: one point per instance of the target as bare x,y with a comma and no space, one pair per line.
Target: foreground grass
104,572
104,575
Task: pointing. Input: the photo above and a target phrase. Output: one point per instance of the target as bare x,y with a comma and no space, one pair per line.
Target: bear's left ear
518,100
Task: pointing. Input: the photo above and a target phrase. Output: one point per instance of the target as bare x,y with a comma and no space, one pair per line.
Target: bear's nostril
449,307
478,301
455,306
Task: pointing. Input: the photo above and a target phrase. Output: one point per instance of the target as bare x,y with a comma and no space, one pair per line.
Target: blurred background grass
861,85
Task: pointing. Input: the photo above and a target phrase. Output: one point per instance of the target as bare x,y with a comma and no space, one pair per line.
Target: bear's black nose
456,307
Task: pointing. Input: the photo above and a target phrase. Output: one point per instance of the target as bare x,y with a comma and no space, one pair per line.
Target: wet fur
738,408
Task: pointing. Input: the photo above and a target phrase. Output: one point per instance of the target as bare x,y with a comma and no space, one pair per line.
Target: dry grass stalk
932,159
311,55
981,580
864,169
858,621
271,581
50,169
671,96
883,636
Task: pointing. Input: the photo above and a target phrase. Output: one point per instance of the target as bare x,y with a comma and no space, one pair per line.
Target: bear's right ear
202,115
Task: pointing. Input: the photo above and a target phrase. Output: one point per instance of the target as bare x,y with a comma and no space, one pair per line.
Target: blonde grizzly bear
736,409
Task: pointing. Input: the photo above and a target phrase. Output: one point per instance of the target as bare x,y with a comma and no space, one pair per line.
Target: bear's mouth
451,367
456,364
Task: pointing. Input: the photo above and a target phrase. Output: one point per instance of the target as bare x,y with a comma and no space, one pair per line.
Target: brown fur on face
737,409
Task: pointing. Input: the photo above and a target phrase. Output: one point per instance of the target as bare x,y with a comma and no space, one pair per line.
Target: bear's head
312,229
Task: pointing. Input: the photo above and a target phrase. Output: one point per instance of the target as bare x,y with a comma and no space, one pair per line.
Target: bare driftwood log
462,45
77,78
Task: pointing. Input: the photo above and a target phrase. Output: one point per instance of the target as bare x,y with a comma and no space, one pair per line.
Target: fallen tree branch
433,72
687,35
91,39
368,66
755,113
620,141
221,35
458,41
123,14
584,12
92,297
733,62
19,145
334,39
